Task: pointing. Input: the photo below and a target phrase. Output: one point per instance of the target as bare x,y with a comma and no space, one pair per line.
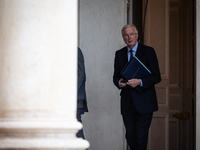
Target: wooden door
168,29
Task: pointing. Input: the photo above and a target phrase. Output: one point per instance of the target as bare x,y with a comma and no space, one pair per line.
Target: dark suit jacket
146,101
82,100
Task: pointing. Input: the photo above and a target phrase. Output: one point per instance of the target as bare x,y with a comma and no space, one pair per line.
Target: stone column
38,71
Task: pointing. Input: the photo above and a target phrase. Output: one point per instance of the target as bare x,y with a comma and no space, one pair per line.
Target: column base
41,135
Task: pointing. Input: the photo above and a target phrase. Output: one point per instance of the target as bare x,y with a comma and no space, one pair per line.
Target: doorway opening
169,27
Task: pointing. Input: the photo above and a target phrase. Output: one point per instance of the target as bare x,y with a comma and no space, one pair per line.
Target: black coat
146,101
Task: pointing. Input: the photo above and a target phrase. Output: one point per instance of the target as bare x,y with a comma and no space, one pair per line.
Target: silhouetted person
81,101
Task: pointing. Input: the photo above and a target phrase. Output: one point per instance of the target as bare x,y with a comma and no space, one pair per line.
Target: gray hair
127,26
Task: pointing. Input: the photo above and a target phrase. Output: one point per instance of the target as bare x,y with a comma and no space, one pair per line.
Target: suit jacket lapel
125,57
139,51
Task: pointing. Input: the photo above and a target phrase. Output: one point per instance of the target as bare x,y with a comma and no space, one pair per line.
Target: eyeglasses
127,35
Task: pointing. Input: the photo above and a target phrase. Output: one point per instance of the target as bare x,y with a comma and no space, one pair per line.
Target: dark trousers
78,116
137,128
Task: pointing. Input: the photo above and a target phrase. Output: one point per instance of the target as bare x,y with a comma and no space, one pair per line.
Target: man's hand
121,84
134,82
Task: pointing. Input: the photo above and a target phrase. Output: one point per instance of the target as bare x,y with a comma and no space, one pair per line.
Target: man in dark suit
136,107
81,101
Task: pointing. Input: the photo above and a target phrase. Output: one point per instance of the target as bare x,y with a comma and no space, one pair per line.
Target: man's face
130,37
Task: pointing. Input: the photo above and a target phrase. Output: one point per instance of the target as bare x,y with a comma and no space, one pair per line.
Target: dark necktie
131,54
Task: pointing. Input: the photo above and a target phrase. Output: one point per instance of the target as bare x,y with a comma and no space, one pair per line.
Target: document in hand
135,69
